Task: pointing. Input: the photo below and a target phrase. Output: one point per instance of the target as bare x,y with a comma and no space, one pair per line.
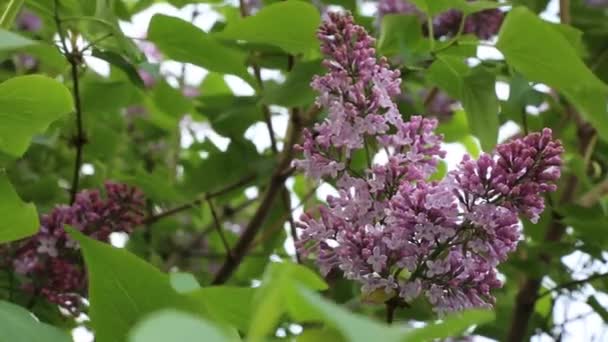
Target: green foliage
11,41
18,325
122,289
19,219
543,54
182,141
289,25
171,325
184,42
28,105
481,105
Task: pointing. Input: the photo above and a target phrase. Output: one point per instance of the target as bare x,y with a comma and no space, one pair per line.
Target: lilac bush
390,228
50,262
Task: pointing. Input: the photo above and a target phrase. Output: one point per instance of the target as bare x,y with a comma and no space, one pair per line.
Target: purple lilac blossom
50,261
389,228
28,21
483,24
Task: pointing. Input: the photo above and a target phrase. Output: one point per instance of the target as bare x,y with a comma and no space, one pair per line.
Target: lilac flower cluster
28,21
389,228
50,263
483,24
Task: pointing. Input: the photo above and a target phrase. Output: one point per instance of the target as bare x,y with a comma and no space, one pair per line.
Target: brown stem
218,228
74,58
198,201
391,306
564,11
274,188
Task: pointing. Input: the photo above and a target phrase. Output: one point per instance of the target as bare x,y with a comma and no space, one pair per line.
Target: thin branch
564,11
73,57
573,283
218,228
198,201
242,246
428,99
96,41
273,229
273,143
591,197
10,13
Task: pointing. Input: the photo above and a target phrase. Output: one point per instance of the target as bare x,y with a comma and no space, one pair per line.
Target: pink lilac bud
389,227
148,79
190,91
50,261
28,21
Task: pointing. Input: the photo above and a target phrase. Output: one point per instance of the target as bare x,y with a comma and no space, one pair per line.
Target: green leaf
481,105
230,116
184,282
356,328
28,104
19,219
172,325
11,41
18,325
277,289
184,42
434,7
116,95
448,72
171,100
122,63
215,84
456,128
451,326
469,7
290,25
122,289
402,35
228,304
296,90
543,54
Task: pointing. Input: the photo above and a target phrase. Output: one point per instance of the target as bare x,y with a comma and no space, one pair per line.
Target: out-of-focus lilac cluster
483,24
389,227
50,262
27,21
597,3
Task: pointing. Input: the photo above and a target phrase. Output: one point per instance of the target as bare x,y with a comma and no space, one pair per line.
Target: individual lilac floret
28,21
390,228
50,261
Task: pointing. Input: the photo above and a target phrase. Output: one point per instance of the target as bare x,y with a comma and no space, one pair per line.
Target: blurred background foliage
180,107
